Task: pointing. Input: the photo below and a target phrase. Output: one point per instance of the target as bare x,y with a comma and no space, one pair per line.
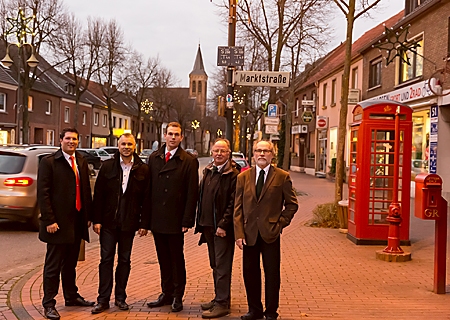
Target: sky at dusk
173,29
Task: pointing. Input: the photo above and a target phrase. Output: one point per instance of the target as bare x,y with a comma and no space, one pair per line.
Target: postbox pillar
440,249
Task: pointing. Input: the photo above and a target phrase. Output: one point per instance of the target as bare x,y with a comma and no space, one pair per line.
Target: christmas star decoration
20,26
397,45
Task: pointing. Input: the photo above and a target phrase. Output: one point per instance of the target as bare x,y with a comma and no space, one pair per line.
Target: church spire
199,68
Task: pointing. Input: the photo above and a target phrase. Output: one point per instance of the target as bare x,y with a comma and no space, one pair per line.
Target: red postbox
430,205
371,176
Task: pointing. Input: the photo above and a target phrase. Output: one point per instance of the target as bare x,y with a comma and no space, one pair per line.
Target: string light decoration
219,132
397,44
20,26
147,106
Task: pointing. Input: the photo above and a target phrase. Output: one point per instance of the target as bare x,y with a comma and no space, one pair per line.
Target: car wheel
33,222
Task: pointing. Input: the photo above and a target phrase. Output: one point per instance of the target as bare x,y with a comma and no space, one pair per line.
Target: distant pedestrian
265,204
118,197
171,202
64,197
215,222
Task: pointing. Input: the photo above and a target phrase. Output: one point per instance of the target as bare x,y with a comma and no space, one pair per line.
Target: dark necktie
260,183
167,156
214,169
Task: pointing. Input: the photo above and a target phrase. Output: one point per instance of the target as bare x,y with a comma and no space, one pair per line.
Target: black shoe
177,305
252,316
122,304
100,307
80,302
51,313
271,318
163,300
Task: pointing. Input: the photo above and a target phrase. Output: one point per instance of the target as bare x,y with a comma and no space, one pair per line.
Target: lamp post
20,28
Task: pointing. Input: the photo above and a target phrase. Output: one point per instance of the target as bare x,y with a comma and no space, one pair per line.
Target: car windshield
11,163
103,153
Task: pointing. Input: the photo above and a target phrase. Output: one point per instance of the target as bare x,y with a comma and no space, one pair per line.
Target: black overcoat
173,191
56,193
107,194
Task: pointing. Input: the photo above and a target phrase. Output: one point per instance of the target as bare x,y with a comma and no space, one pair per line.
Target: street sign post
278,79
230,56
272,110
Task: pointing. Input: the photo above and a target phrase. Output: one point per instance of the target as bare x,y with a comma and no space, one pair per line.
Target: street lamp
20,27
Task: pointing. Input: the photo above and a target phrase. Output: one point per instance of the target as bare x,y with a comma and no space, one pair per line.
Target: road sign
274,121
321,122
271,129
307,116
229,98
279,79
272,110
230,104
308,102
230,56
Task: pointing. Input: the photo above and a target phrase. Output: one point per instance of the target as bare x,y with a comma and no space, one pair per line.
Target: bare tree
80,52
36,33
112,74
352,10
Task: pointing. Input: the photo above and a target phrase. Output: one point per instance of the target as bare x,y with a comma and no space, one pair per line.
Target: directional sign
272,110
230,56
307,102
272,121
271,129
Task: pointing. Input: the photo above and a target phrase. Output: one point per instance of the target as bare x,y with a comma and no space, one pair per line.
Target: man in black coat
118,196
171,203
64,197
215,222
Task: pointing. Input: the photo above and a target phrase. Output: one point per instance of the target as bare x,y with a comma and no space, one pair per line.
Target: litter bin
342,211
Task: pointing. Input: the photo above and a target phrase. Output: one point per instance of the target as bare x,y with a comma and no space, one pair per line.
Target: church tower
198,80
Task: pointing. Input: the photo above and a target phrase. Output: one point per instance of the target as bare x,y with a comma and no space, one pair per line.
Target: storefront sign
353,96
321,122
416,91
307,116
295,129
271,129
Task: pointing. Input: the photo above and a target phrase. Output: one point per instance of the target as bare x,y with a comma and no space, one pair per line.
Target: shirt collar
266,170
172,152
67,156
219,167
123,163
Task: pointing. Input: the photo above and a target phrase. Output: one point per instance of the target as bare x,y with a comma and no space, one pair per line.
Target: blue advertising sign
433,158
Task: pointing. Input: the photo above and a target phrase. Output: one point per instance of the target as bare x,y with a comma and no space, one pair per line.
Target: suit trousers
221,252
170,252
252,275
109,239
61,259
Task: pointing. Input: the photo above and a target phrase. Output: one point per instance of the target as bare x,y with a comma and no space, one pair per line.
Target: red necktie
167,156
77,179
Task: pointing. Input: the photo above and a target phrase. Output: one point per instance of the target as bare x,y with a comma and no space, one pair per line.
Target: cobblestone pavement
324,276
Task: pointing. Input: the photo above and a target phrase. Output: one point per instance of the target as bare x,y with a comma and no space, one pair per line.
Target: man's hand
97,227
52,228
240,243
142,232
220,232
184,229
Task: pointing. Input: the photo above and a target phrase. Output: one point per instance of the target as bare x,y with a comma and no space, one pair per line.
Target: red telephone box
372,142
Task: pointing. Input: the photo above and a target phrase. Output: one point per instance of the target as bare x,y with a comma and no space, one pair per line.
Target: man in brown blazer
265,204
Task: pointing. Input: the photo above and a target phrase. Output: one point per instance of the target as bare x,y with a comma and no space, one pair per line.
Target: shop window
2,102
415,67
375,73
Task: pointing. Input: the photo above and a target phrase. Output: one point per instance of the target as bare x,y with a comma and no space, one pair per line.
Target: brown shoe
207,305
216,311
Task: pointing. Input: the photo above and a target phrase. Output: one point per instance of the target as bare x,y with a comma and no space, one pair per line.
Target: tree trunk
287,132
342,130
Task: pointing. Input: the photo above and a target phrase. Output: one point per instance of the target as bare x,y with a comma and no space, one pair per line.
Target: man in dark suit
215,222
171,203
265,204
64,197
118,197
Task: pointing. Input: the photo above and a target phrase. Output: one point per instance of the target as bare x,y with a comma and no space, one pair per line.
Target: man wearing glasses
171,203
215,222
265,203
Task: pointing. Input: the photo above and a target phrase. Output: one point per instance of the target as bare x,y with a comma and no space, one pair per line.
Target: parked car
18,174
94,162
192,152
98,153
238,155
109,150
145,153
242,163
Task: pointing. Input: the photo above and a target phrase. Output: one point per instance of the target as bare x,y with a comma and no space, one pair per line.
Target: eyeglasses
263,151
220,151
